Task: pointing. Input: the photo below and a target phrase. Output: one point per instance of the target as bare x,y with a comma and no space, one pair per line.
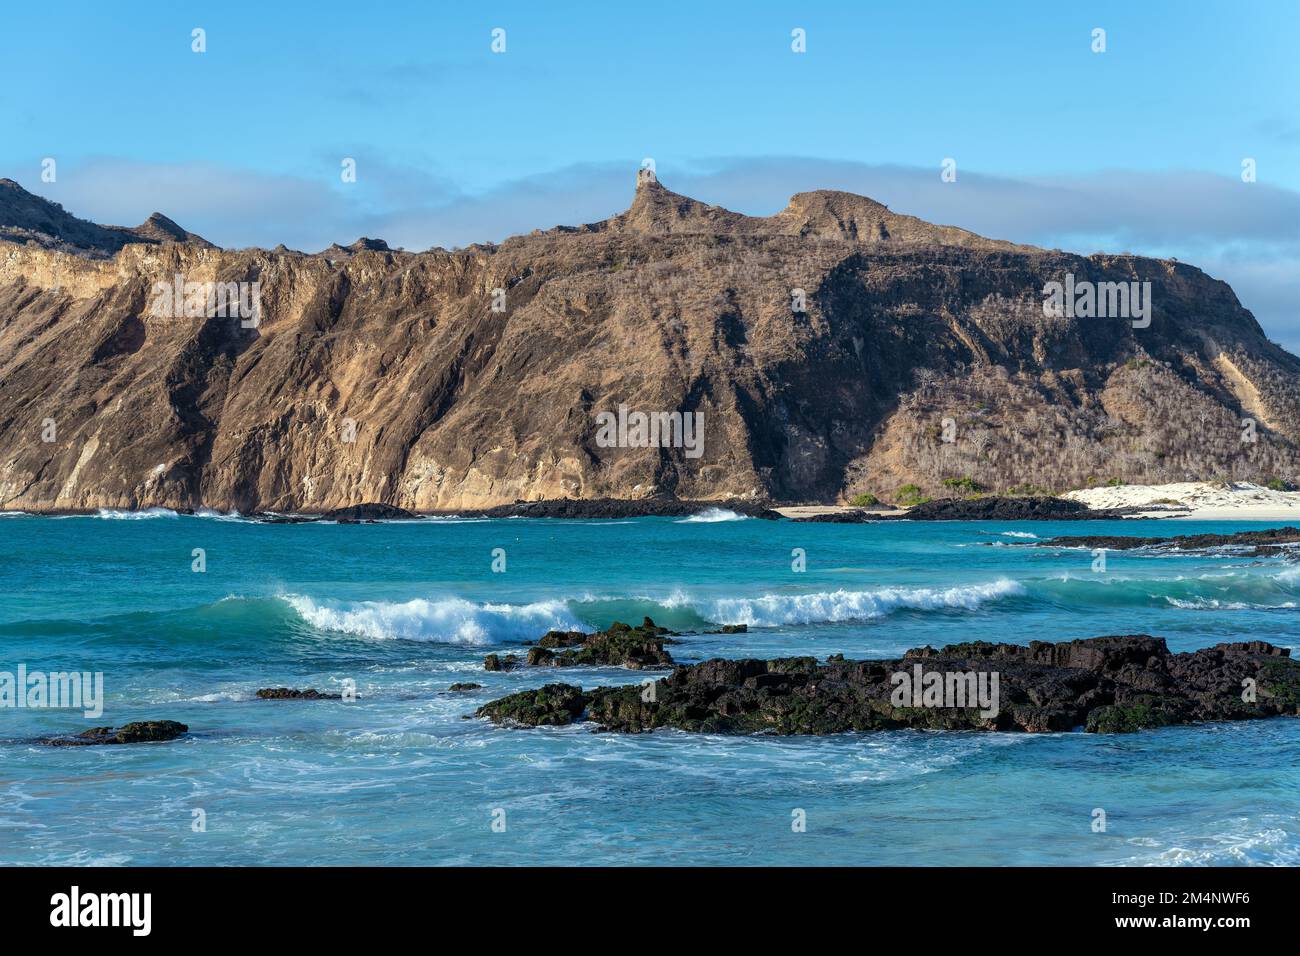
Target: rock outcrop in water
623,508
143,731
1266,543
832,349
291,693
1103,685
619,645
365,513
369,512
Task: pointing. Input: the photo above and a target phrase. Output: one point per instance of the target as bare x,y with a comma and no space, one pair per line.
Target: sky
1135,149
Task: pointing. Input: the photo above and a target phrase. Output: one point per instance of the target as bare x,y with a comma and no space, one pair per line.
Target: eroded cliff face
374,375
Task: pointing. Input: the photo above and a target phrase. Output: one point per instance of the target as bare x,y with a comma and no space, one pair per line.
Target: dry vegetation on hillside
1020,432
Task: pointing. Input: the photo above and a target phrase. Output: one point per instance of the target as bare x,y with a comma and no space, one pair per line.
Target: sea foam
116,514
830,607
712,515
449,620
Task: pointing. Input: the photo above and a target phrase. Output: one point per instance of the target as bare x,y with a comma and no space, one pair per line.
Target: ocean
402,610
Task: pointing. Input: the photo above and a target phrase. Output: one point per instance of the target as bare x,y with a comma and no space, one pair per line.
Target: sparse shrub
864,500
1029,490
1170,429
963,486
910,495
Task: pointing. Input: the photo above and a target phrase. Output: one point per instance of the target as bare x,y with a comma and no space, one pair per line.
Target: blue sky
1136,149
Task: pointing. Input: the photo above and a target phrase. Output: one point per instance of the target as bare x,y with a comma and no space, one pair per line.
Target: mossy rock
1127,718
551,706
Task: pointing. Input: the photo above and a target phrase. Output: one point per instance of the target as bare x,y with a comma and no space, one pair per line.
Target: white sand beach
811,511
1205,501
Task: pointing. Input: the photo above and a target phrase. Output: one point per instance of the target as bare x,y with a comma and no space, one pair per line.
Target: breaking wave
831,607
711,515
1232,591
445,621
117,514
453,619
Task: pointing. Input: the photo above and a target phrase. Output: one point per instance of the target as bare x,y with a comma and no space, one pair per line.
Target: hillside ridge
831,350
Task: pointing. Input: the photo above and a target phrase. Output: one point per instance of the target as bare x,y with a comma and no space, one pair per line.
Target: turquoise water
405,609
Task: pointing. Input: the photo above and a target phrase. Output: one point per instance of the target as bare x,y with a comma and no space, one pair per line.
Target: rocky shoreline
1115,684
1266,543
998,508
622,508
986,508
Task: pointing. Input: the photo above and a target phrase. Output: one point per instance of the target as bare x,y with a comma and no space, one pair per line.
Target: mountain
25,218
923,354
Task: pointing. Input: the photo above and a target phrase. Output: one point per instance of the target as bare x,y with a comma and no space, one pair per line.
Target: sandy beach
1205,501
812,511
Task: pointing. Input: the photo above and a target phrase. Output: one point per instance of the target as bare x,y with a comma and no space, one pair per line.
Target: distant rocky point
1270,542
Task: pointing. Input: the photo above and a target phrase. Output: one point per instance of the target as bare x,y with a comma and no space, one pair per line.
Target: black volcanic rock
1103,685
144,731
368,512
1256,543
994,508
839,517
290,693
623,508
552,705
351,514
620,645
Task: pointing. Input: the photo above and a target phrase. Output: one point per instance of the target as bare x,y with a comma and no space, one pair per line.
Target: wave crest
832,607
116,514
712,515
443,621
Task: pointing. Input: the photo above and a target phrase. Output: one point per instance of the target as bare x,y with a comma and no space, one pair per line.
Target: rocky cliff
834,348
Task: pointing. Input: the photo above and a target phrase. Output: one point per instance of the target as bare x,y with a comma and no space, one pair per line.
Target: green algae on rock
1104,685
